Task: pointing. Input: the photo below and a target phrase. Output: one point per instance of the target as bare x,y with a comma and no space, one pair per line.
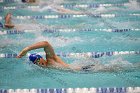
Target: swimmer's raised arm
8,22
44,44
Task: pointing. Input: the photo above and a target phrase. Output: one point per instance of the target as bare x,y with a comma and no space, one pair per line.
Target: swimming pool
108,37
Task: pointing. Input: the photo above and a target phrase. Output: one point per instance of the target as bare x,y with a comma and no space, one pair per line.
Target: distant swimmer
8,22
57,9
28,1
51,58
51,5
65,11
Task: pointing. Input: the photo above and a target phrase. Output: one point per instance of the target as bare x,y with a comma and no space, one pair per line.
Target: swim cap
33,57
23,1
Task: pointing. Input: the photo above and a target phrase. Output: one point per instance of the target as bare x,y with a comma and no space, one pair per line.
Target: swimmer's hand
23,53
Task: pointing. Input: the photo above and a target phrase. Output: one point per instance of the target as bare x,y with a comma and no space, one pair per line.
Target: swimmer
8,23
28,1
54,6
51,58
64,11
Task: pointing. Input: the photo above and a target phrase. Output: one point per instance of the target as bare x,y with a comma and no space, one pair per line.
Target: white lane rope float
77,55
65,16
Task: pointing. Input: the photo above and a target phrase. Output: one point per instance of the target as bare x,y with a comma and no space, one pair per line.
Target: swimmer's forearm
42,44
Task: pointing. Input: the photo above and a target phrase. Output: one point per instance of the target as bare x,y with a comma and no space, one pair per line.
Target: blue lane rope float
84,54
109,90
1,25
9,1
12,32
1,9
75,90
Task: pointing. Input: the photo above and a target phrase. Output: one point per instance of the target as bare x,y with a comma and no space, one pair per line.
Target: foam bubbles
133,4
30,26
118,62
6,41
101,9
46,8
47,5
115,65
58,41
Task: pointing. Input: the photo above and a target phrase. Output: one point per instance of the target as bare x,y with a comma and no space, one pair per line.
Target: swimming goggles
37,60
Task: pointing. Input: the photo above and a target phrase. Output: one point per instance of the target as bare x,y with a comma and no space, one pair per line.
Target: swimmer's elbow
45,43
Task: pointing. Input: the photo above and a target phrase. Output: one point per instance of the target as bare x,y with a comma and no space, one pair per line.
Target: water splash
115,65
47,5
117,39
30,26
101,10
58,41
133,5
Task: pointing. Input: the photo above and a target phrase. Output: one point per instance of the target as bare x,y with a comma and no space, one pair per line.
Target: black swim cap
23,1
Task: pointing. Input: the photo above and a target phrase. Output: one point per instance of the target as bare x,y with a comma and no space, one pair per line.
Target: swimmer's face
37,61
40,61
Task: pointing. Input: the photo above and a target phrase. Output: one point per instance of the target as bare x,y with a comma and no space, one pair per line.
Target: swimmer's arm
63,10
44,44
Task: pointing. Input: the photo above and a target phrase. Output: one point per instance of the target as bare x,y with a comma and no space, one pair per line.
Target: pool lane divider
90,5
65,16
78,55
11,32
75,90
72,5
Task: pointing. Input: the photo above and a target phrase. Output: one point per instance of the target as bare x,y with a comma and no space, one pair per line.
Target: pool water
111,71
